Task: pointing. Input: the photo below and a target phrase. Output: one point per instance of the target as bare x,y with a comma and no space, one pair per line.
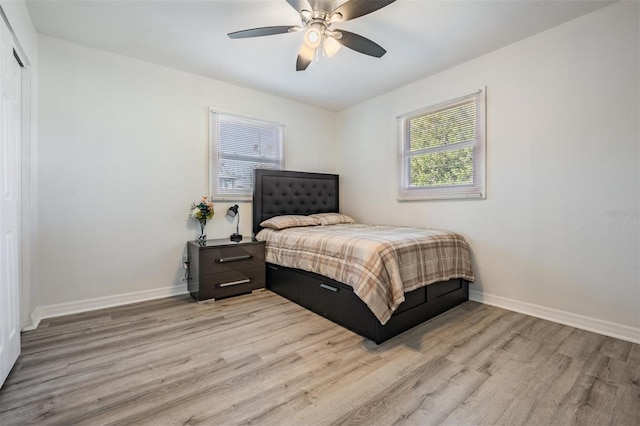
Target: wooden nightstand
223,268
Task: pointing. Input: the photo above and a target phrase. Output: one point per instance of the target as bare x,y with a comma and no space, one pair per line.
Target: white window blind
238,145
442,150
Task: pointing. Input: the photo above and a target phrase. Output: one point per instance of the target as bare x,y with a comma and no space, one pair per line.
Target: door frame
12,146
28,185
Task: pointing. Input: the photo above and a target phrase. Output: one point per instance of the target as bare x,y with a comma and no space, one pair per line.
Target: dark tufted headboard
280,192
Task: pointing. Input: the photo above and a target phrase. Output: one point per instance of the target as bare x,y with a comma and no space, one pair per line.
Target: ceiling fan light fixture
318,35
313,37
331,46
335,17
305,57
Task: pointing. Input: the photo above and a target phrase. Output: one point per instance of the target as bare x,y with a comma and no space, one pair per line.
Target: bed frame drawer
338,302
335,301
412,299
329,298
283,281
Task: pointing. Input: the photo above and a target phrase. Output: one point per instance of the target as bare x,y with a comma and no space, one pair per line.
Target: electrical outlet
185,262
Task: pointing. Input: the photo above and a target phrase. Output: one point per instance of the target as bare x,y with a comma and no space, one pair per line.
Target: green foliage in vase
202,211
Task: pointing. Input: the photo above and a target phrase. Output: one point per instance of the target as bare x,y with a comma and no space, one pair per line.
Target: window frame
214,152
476,190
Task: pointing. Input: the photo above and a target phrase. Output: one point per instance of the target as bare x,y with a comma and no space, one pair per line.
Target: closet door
9,204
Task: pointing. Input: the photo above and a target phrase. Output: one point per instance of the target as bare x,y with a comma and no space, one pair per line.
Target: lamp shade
331,46
233,211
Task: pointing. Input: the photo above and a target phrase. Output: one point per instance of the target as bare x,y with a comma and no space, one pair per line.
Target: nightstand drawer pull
230,283
328,287
235,259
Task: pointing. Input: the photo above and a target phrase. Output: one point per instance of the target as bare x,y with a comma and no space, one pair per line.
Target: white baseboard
619,331
61,309
606,328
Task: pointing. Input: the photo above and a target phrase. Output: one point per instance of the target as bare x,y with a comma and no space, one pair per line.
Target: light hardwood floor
261,359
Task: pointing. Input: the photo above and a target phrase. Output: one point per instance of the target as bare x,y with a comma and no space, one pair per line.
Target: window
238,145
442,150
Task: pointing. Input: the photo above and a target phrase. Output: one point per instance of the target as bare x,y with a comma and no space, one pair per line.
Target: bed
277,193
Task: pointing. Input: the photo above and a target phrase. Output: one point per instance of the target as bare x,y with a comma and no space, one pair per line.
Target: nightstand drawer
231,283
219,260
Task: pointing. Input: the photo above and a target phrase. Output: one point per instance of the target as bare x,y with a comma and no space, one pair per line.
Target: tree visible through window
442,153
238,146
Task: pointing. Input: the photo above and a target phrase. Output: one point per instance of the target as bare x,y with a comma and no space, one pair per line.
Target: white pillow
289,221
332,218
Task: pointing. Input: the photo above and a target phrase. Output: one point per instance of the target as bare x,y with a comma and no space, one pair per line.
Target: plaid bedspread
381,263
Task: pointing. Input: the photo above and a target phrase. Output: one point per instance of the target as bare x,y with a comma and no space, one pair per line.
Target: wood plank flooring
260,359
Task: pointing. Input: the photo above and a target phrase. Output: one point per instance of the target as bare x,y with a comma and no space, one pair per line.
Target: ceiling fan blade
356,8
360,44
305,57
263,31
300,5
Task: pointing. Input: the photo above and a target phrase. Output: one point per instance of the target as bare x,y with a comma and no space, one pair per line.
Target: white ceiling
421,37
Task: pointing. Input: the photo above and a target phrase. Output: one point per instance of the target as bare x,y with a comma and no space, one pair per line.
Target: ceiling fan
316,21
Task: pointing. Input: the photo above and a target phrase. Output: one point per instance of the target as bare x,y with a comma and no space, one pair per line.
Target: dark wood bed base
280,192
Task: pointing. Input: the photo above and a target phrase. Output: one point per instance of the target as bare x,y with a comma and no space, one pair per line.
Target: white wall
123,154
20,22
563,150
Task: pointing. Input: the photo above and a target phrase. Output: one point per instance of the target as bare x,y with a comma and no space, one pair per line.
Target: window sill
441,197
230,197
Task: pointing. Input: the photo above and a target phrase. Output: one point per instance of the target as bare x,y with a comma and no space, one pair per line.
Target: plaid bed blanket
380,263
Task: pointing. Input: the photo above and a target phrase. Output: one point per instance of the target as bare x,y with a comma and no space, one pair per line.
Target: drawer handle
230,283
235,259
328,287
274,268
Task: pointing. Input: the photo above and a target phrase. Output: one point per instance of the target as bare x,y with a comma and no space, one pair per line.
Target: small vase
202,238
